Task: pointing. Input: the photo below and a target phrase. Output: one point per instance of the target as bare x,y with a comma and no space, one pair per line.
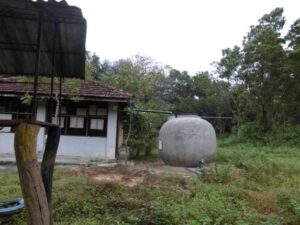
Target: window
2,109
97,120
5,115
19,110
83,119
12,108
76,122
97,124
62,121
96,111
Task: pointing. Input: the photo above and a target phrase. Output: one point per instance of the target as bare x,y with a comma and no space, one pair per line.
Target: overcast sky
185,34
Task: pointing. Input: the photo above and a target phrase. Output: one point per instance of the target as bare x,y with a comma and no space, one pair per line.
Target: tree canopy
258,81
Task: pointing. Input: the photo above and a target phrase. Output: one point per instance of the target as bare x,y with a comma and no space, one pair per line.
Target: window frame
86,131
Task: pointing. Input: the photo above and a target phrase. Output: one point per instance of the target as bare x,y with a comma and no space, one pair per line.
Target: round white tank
187,141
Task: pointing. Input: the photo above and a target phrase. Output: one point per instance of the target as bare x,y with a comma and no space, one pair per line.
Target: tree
292,69
259,65
93,66
177,87
230,65
142,77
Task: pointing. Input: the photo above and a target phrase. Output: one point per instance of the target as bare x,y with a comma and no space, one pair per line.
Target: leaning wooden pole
48,163
30,177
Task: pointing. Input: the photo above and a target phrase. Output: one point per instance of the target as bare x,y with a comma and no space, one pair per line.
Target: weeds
246,185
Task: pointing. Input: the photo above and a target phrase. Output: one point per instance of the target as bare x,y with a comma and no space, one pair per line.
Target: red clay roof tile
91,89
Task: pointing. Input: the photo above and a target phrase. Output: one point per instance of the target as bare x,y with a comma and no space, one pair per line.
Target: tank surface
187,141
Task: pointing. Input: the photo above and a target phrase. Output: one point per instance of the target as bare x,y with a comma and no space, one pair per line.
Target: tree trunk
266,119
30,177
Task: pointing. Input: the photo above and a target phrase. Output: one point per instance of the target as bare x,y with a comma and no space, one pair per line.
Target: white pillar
112,131
41,116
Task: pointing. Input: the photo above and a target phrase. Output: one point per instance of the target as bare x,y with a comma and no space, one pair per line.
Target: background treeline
257,84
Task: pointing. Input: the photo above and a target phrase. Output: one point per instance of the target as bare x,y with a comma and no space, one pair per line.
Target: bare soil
149,173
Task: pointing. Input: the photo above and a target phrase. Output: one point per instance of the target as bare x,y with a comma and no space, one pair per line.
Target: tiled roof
88,89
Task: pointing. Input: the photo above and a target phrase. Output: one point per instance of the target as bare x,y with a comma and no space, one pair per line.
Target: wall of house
81,146
89,147
6,143
7,138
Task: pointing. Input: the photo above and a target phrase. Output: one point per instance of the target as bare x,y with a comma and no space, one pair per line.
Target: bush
144,133
219,173
253,133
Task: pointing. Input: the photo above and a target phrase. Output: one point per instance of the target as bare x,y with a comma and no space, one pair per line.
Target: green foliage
142,77
26,99
93,68
219,173
264,75
245,185
257,84
253,133
143,137
73,86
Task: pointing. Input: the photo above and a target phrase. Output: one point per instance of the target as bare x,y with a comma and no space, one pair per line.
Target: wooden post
49,162
30,177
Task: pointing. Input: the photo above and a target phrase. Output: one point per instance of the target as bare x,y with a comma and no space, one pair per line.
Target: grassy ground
246,185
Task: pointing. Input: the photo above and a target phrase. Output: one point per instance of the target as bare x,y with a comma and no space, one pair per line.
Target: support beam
14,123
48,163
34,193
49,157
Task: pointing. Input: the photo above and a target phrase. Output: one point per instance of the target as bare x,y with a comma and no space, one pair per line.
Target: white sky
185,34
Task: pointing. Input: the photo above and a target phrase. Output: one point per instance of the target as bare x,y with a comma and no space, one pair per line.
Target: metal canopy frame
56,55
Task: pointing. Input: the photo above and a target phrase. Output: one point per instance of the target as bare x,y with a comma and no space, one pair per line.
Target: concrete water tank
187,141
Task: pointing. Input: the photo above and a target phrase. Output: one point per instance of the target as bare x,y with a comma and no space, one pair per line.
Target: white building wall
7,139
89,147
7,143
111,131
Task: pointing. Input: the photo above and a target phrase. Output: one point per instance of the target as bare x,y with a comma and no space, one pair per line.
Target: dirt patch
121,179
262,202
148,174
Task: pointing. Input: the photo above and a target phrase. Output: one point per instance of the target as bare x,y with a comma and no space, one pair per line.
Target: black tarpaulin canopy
54,29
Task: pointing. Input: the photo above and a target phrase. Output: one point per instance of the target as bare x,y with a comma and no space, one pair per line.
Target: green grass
246,185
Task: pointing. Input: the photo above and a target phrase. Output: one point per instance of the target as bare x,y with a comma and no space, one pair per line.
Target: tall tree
93,66
259,65
292,68
262,68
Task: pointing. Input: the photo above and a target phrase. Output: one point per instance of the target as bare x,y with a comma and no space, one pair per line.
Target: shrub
253,133
144,133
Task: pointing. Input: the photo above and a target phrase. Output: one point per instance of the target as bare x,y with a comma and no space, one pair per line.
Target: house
90,116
